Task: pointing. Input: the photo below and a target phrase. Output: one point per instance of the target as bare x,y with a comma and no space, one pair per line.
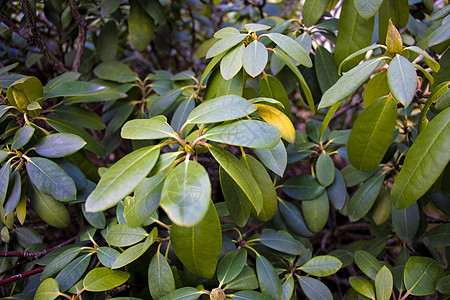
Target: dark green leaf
155,9
337,191
438,236
353,176
75,88
361,202
5,173
294,219
231,265
406,222
59,145
314,289
72,272
250,295
271,87
313,10
302,187
325,169
321,266
184,293
246,280
140,26
282,241
326,69
421,275
14,193
316,212
268,280
164,102
366,8
376,88
22,136
60,261
367,263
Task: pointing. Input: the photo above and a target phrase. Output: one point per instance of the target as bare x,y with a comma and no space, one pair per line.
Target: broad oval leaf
198,247
361,202
384,284
321,266
160,277
254,27
59,145
231,265
240,174
292,48
134,252
282,241
325,169
278,119
107,256
103,279
164,102
47,290
367,8
51,179
122,178
302,187
326,69
255,58
314,289
362,286
269,282
72,272
402,79
421,275
246,280
22,136
271,87
221,109
115,71
121,235
368,264
74,88
186,193
185,293
406,221
246,133
372,134
294,219
147,129
348,83
225,43
140,26
231,63
376,88
424,162
316,212
337,191
274,158
313,10
60,261
438,236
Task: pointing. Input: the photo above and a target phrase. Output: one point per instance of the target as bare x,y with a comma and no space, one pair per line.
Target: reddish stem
21,275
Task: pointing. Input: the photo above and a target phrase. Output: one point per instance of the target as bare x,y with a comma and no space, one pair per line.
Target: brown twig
37,254
14,28
81,35
21,275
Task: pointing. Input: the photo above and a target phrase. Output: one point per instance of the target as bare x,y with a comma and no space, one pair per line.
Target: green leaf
254,27
147,129
107,256
384,284
313,10
240,174
246,133
108,41
302,187
316,212
155,10
198,247
103,279
246,280
60,261
14,193
368,264
134,252
353,176
282,241
348,83
109,94
184,293
292,48
115,71
269,282
146,200
140,26
59,145
164,101
402,79
181,114
64,126
231,63
438,236
286,59
406,222
428,59
367,8
337,191
325,169
362,201
271,87
372,134
441,34
22,136
424,162
53,212
250,295
376,88
226,31
24,91
326,69
231,265
51,179
321,266
75,88
362,286
224,44
255,58
186,193
5,173
293,218
47,290
121,235
355,33
421,275
217,86
122,178
314,289
221,109
274,158
72,272
160,277
444,100
65,77
237,202
443,285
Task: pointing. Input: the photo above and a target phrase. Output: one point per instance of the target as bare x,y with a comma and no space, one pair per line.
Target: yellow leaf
278,119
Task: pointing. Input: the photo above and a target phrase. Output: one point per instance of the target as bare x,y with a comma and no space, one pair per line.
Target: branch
37,38
21,275
81,35
36,254
14,28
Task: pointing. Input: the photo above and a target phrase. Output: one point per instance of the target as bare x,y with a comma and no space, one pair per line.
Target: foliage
224,150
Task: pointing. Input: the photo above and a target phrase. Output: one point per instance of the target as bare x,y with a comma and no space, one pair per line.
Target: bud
394,40
217,294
